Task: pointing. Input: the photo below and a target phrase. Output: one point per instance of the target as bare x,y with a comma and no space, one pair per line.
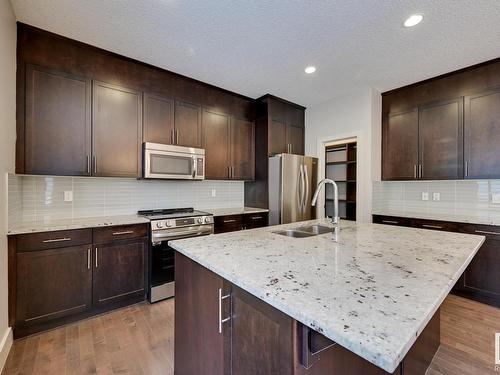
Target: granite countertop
65,224
235,211
373,292
468,219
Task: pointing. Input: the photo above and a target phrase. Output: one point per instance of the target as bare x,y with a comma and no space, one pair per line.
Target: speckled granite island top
373,292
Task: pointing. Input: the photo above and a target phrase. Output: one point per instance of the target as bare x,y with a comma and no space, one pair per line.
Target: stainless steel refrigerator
292,180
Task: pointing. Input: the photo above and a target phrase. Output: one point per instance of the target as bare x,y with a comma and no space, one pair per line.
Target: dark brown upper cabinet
229,145
295,139
117,131
482,134
277,137
187,124
57,123
242,149
158,119
215,133
440,144
400,146
458,126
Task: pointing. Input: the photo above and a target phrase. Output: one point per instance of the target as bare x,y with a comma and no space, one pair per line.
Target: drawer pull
432,226
57,240
229,221
225,320
122,233
390,221
487,232
256,217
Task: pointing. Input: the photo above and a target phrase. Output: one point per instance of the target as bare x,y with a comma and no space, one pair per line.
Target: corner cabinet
229,144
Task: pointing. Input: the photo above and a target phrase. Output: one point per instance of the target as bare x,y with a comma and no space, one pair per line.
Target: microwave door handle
194,166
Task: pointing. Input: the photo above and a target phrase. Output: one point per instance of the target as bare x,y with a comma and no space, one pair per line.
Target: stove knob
169,223
159,224
207,220
200,220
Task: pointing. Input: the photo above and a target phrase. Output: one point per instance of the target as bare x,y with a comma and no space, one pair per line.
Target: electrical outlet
495,198
214,193
68,196
436,196
425,196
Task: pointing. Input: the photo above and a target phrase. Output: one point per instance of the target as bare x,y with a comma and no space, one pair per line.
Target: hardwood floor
139,340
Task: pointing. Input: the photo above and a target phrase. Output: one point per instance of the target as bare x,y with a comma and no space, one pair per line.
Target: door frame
363,184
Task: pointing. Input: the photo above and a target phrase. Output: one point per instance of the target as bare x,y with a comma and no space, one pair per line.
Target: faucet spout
335,219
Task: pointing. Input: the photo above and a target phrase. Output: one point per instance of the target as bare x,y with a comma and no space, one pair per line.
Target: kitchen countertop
235,211
468,219
373,292
65,224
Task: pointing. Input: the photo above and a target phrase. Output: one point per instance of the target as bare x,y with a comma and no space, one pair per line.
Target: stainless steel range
166,225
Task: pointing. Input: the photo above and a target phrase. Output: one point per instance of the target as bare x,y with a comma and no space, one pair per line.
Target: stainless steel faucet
335,218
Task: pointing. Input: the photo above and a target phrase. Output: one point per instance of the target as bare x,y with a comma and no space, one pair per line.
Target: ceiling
262,46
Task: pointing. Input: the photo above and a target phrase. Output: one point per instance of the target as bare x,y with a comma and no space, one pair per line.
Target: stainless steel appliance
291,180
173,162
166,225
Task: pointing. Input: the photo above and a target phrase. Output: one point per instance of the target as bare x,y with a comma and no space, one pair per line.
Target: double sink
307,231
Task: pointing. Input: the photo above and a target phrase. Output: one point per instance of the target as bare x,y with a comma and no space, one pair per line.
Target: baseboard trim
5,345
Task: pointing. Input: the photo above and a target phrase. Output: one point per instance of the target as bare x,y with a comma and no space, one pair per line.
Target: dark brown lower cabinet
481,279
221,329
119,271
53,283
62,276
232,223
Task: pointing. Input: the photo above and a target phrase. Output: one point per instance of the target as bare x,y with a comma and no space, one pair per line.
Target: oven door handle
181,234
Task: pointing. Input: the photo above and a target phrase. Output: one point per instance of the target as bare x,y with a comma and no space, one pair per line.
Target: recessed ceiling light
413,20
310,69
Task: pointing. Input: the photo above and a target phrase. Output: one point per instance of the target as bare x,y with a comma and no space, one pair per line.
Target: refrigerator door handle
301,187
306,182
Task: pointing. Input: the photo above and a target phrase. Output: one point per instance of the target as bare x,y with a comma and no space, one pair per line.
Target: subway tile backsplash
40,198
461,200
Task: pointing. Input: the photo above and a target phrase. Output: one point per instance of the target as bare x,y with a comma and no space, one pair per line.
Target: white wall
357,114
7,153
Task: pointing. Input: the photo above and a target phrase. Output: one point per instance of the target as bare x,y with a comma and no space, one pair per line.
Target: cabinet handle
420,171
487,232
229,221
228,171
256,217
415,171
88,258
88,164
390,221
122,233
172,136
57,240
95,164
221,321
432,226
291,148
176,137
96,264
466,169
232,172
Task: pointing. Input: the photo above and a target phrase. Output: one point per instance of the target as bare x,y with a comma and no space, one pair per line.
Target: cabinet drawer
228,223
120,232
392,220
491,232
435,225
53,240
256,220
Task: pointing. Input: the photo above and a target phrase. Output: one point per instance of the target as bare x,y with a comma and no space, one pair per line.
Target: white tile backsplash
40,198
461,200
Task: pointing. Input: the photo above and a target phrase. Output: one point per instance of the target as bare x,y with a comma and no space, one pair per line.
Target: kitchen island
373,295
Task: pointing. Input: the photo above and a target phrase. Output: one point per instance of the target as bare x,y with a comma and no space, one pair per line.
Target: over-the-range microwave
173,162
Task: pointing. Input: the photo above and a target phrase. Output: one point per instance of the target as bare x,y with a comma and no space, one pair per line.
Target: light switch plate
436,196
495,198
425,196
214,193
68,196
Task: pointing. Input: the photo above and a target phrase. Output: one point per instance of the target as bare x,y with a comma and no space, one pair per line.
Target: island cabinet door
261,337
202,330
